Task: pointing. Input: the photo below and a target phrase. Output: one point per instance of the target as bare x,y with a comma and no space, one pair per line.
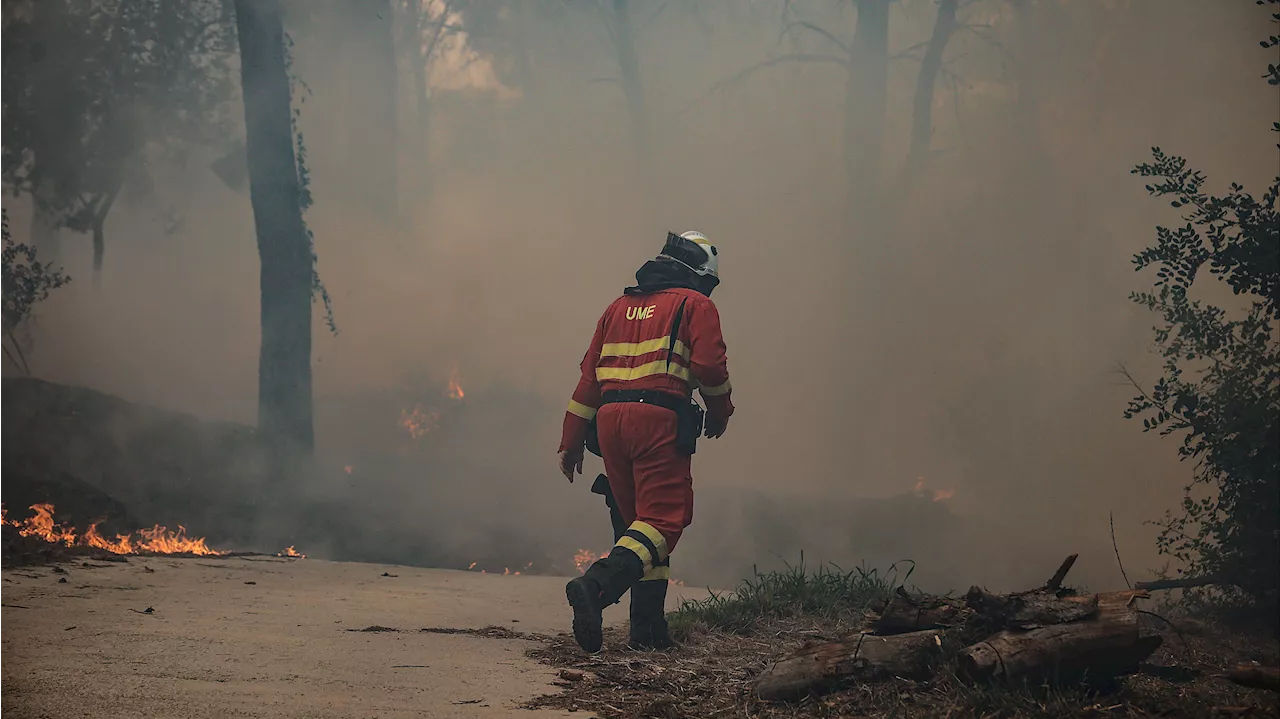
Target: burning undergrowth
41,538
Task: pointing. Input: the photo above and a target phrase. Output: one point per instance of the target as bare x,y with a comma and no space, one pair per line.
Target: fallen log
1111,601
1108,644
904,613
828,666
1029,610
1248,675
1179,583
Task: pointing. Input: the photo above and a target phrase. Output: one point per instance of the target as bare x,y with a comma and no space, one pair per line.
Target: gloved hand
569,462
715,426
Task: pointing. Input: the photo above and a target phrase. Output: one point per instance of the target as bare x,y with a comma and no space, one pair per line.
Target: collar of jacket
655,276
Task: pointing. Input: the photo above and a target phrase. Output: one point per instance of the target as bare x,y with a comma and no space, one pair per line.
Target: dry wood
1179,583
825,667
1030,610
904,613
1110,601
1248,675
1106,645
1056,580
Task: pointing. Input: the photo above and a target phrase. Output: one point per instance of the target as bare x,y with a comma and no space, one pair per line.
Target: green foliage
27,282
1221,385
299,90
829,593
96,91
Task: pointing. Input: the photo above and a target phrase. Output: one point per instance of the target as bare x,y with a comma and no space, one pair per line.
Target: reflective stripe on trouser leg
646,542
658,572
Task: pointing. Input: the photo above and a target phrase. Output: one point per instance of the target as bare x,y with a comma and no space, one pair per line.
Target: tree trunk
866,97
44,226
284,364
1106,645
827,667
101,209
922,109
629,66
422,96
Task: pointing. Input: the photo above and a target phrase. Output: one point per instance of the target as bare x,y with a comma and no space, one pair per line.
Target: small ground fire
156,540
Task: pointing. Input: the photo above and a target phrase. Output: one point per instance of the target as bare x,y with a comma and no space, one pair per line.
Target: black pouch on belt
593,439
689,427
688,417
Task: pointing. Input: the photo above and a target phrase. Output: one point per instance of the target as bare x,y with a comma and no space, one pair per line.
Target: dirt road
267,637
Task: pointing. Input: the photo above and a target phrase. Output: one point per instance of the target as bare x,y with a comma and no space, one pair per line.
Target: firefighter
652,347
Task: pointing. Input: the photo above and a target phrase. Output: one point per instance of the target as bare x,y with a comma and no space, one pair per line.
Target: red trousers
651,481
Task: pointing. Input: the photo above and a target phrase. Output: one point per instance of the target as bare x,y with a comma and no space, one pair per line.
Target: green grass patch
829,592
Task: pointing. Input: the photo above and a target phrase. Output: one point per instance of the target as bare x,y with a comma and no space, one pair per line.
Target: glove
715,426
570,461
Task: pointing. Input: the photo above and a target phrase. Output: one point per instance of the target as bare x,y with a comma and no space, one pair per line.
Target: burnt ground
712,673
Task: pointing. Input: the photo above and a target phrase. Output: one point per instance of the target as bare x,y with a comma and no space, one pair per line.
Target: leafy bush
27,281
1221,385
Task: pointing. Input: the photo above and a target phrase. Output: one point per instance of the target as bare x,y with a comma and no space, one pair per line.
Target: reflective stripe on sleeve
718,390
581,410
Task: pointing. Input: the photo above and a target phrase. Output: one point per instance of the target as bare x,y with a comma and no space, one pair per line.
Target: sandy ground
267,637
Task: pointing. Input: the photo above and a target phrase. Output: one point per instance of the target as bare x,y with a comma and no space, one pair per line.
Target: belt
665,400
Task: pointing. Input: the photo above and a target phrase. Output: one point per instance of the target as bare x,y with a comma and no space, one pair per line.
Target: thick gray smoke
974,361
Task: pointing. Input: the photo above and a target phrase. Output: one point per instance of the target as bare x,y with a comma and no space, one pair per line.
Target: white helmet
693,250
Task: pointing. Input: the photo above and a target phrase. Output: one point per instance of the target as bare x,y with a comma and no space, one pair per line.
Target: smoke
979,350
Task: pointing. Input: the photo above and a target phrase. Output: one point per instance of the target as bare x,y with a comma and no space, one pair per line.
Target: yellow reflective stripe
635,349
662,573
639,549
581,410
626,374
718,390
654,536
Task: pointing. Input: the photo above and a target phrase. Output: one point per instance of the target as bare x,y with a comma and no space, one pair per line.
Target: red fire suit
650,479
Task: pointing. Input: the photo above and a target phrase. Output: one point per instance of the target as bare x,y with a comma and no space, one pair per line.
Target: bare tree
284,245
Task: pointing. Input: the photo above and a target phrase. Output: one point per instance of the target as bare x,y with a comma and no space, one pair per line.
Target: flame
156,540
289,551
584,558
939,495
454,392
419,422
41,525
348,469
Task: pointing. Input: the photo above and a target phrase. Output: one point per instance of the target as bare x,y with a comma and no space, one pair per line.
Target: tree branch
820,31
748,71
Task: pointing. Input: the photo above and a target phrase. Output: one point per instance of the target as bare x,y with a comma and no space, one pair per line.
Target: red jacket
630,351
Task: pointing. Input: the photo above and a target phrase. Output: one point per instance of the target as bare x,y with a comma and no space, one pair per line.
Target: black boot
602,584
649,616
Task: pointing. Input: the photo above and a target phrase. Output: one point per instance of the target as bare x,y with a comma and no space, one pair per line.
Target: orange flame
289,551
454,392
584,558
157,540
419,422
938,495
